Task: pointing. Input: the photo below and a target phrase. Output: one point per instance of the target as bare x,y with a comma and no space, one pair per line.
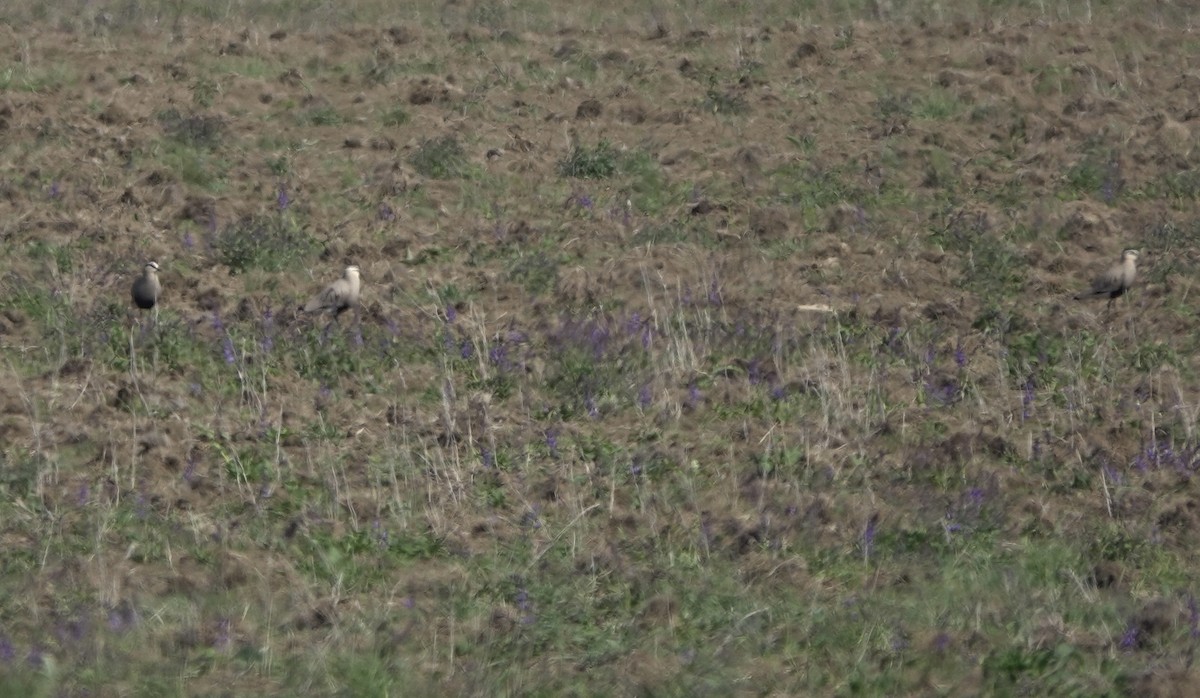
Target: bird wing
1108,282
332,297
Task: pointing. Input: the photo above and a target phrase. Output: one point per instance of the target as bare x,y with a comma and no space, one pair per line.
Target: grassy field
705,349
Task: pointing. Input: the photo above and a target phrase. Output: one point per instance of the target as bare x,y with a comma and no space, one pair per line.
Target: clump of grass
266,242
440,158
321,115
396,116
597,162
200,131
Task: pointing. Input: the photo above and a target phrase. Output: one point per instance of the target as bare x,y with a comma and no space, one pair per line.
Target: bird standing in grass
1114,282
339,296
146,288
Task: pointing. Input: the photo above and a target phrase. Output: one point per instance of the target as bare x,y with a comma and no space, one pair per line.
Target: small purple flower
451,314
188,241
7,651
714,294
488,458
634,323
467,350
267,343
1027,398
941,642
960,355
930,355
358,337
217,325
282,200
522,599
694,396
778,393
82,496
531,519
552,441
1129,639
55,190
228,350
381,535
869,535
498,356
223,640
644,396
189,471
121,618
386,213
635,468
589,403
408,602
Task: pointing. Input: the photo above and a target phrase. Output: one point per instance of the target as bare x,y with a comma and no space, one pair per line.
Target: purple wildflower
228,350
714,294
451,314
386,213
1129,639
552,441
488,458
941,642
531,518
82,496
1027,399
282,200
7,651
498,356
267,343
188,241
869,535
467,350
644,396
223,640
694,396
960,355
55,190
189,471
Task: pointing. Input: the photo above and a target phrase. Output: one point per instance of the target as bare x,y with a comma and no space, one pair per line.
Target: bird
146,288
339,296
1113,284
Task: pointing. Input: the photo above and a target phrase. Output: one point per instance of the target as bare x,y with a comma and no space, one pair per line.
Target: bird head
1131,255
351,271
152,266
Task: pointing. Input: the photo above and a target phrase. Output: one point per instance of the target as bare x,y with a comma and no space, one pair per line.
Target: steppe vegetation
705,348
